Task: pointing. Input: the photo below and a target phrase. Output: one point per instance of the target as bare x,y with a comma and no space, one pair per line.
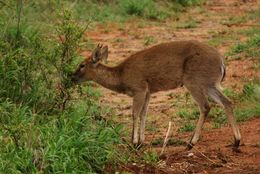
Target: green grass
157,141
171,142
148,40
151,127
67,143
175,142
230,93
248,48
218,117
151,157
187,114
190,23
188,127
254,14
224,37
234,20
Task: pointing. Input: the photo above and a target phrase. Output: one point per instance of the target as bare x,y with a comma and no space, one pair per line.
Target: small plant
219,117
222,37
151,157
188,127
186,114
134,7
175,142
190,23
148,40
254,14
230,93
188,2
234,21
157,141
247,49
146,8
244,114
152,128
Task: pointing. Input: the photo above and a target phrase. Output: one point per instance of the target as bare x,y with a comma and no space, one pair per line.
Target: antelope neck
108,77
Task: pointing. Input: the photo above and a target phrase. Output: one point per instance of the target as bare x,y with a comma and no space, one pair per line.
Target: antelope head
87,68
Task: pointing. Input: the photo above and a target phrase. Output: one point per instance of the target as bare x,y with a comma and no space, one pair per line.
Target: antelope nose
73,78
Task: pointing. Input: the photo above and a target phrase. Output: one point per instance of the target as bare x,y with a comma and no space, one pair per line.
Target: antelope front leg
143,118
138,103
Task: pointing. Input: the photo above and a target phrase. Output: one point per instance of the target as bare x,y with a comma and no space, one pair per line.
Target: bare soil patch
212,154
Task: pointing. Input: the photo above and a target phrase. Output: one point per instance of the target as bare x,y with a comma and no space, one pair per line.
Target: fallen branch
166,137
210,160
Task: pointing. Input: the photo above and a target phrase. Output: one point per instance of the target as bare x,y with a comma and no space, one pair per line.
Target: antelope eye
82,66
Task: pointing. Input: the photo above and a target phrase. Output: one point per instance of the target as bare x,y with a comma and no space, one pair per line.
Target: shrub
38,133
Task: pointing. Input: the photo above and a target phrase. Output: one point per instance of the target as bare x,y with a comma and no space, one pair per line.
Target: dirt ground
210,155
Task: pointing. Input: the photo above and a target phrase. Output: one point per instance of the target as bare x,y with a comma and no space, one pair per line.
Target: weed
246,105
146,8
244,114
254,14
188,127
188,2
222,37
157,141
231,93
134,7
219,117
148,40
175,142
248,48
152,128
250,32
189,115
234,20
119,40
250,98
190,23
151,157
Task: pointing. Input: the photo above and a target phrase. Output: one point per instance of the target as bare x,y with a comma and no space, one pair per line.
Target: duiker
166,66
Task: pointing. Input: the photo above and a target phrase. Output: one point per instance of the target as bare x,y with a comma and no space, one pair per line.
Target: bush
146,8
41,129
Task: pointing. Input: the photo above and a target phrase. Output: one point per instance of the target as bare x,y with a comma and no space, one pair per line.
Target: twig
204,155
210,160
166,137
86,27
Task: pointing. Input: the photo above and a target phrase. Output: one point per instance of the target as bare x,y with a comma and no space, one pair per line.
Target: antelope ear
100,53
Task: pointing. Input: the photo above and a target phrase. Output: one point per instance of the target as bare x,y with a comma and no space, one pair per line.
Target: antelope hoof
237,143
138,146
236,146
189,146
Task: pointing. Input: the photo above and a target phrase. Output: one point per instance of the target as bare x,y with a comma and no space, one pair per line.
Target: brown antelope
162,67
